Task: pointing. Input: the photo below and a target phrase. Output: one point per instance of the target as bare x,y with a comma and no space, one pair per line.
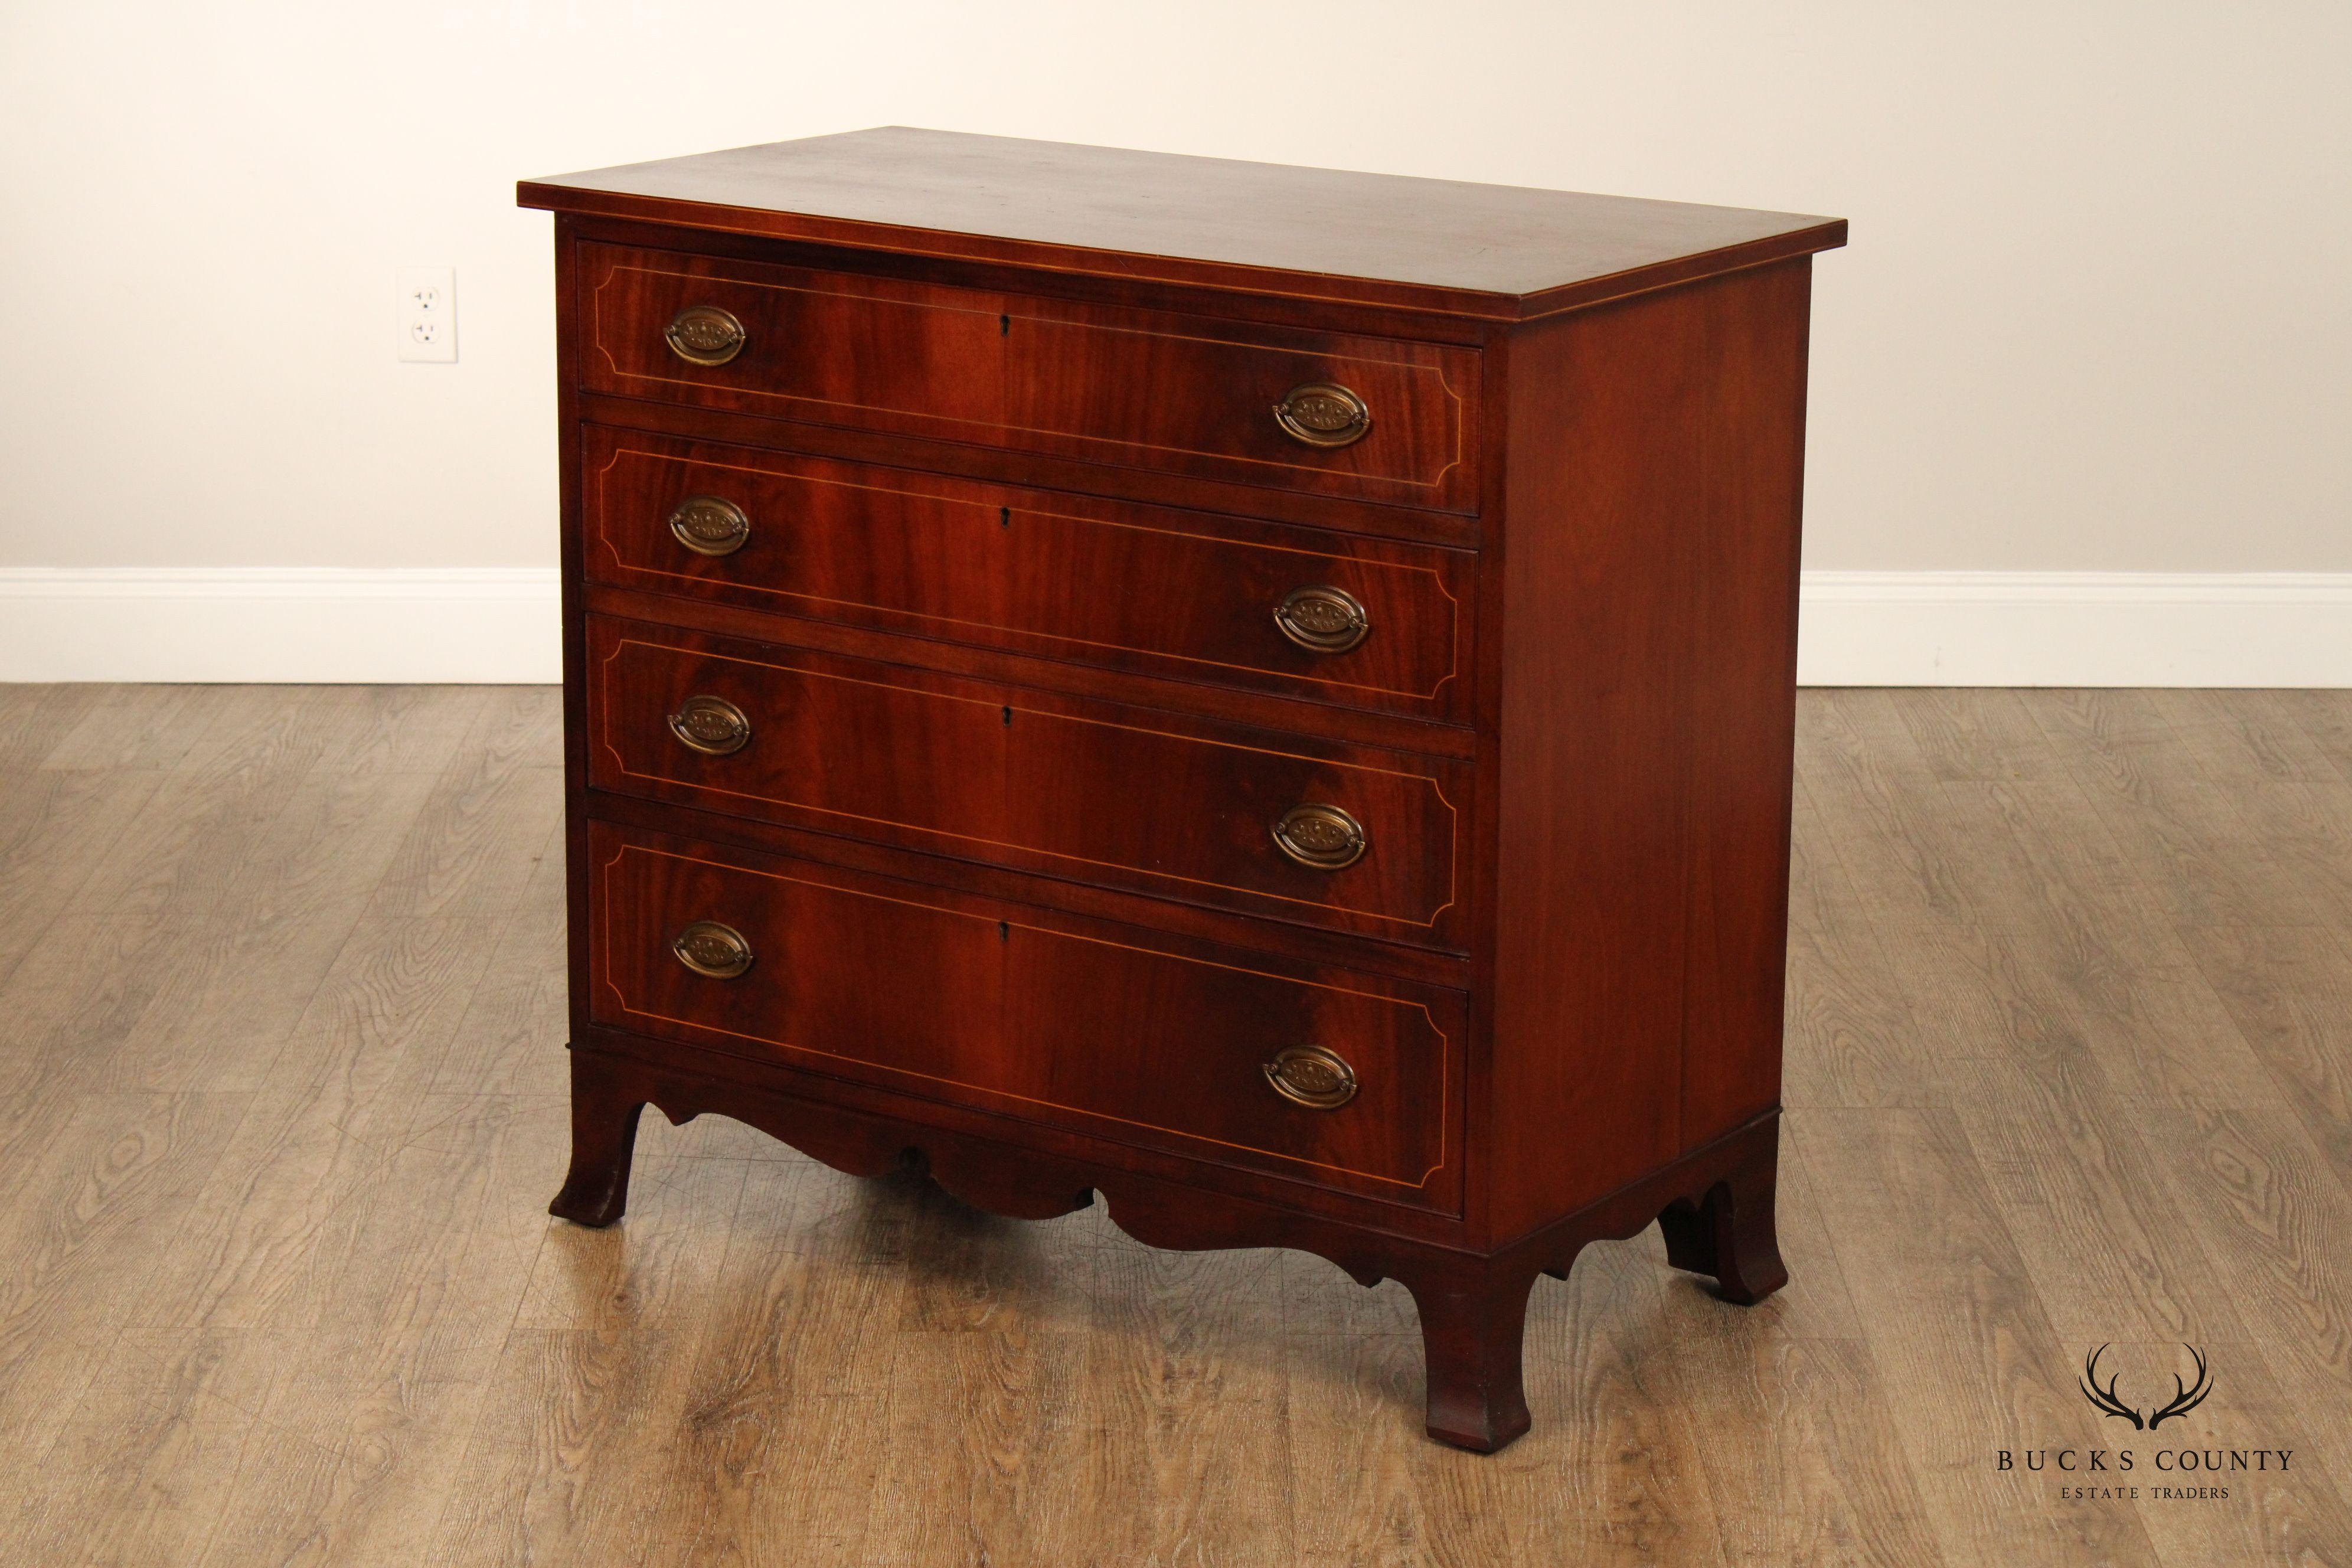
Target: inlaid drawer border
1455,403
1454,605
623,642
1445,1058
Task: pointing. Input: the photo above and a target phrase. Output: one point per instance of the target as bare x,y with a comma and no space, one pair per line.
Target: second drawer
1314,832
1302,612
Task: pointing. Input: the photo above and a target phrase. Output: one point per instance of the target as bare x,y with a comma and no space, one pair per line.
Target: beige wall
2095,316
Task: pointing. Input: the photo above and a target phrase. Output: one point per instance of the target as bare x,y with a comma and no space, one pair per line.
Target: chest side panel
1646,715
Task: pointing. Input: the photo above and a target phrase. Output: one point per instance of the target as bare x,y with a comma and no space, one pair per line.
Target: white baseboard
2075,628
483,624
500,624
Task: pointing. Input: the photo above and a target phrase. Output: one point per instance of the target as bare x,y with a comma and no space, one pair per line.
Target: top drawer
1366,418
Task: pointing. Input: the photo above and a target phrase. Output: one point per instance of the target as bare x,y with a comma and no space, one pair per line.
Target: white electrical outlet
429,314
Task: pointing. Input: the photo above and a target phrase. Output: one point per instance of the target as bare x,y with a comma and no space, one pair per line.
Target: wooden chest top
1498,252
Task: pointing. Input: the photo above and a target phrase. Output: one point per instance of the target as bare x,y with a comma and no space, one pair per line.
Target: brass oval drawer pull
705,335
1312,1077
710,525
709,948
1323,619
711,725
1322,415
1321,836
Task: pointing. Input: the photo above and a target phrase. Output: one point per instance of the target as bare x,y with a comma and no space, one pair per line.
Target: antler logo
2185,1398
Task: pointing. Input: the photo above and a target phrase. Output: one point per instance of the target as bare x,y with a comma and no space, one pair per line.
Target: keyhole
1003,326
1004,517
1004,931
1008,717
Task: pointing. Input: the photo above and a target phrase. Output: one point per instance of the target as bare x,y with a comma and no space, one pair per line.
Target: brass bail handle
1323,413
1322,836
714,951
711,725
1323,619
705,335
710,525
1313,1077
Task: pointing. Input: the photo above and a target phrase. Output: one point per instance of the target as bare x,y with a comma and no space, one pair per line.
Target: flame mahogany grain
1141,389
946,996
1022,718
1019,777
993,566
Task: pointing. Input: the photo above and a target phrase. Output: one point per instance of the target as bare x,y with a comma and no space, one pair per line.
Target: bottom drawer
1344,1080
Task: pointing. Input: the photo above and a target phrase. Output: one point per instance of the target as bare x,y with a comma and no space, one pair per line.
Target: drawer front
1296,611
1139,389
981,1005
1088,791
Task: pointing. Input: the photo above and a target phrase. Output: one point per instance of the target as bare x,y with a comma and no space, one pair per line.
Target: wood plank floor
2070,1064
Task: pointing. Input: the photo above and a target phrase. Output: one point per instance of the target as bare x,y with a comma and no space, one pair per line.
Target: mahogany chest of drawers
1262,695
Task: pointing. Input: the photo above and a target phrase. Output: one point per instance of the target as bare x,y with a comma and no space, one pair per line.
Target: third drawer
1315,832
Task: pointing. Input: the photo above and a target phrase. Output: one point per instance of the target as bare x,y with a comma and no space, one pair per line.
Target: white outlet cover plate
429,314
